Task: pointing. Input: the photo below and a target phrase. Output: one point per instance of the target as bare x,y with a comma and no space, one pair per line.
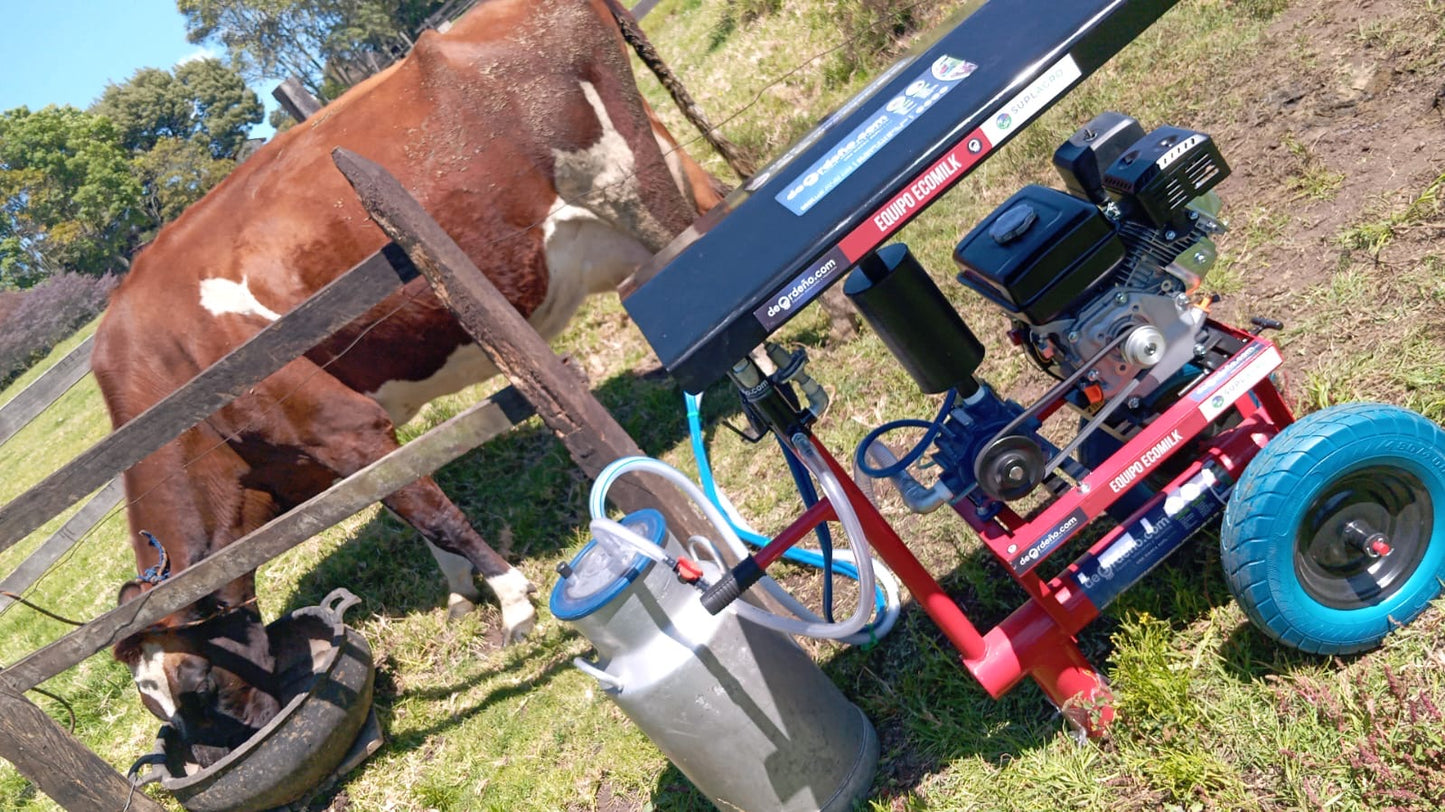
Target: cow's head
207,670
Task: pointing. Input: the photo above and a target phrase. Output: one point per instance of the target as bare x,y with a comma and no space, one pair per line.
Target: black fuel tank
1037,253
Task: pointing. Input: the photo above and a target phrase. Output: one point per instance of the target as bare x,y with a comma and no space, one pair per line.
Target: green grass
1311,178
1213,716
1368,293
1373,235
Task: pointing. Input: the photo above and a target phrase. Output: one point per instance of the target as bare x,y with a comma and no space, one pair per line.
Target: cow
521,130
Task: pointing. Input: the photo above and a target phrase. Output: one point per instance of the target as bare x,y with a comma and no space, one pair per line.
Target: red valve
687,572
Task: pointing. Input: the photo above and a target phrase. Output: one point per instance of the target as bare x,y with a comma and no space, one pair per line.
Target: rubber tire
1278,487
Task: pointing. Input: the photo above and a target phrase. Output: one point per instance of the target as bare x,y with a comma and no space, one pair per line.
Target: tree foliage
68,198
33,322
80,190
327,44
202,101
174,173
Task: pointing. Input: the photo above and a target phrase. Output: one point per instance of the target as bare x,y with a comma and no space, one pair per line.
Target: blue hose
804,483
810,558
860,458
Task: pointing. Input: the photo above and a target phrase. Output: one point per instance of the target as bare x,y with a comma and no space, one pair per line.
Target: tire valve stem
1370,541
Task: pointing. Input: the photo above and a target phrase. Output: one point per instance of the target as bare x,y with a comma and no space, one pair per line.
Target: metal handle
608,681
151,776
338,602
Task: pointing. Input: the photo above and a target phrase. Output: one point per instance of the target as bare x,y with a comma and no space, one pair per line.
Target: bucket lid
598,573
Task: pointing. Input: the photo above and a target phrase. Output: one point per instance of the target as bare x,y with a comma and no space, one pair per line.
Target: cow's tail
730,152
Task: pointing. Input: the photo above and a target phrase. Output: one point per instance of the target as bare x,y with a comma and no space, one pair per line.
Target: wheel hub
1363,536
1367,539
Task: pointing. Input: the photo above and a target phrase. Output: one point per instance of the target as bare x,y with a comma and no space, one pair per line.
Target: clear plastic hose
886,597
843,630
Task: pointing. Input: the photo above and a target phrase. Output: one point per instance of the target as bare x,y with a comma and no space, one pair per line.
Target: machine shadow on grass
1249,654
929,711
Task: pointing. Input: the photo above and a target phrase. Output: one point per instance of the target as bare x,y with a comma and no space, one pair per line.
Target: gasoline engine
1333,530
1102,283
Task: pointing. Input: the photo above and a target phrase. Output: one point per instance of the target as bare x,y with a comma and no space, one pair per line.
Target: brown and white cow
522,132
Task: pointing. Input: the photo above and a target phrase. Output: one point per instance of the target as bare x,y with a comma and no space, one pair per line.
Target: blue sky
66,51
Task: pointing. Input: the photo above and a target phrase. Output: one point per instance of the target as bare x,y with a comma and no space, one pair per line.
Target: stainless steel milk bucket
741,710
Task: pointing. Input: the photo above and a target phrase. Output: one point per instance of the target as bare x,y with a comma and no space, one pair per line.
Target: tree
202,101
174,173
327,44
225,108
67,195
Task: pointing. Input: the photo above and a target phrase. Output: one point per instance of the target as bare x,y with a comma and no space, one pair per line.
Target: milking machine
1159,418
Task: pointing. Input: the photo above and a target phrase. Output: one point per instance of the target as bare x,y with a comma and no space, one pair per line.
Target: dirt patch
609,800
1341,127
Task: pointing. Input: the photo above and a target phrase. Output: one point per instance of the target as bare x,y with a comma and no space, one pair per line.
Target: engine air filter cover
1038,253
1164,171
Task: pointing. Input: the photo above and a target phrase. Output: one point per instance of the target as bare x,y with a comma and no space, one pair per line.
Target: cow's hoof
517,627
514,593
459,606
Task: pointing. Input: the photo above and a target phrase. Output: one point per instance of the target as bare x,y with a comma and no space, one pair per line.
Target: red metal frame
1038,639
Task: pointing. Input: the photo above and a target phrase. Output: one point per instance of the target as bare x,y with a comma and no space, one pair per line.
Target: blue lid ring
568,603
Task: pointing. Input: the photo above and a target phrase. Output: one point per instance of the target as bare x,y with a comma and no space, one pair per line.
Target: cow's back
472,123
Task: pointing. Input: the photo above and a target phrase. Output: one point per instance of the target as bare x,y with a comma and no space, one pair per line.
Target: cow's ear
129,591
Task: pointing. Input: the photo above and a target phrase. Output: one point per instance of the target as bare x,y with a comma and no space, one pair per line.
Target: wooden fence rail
334,306
51,550
416,459
44,390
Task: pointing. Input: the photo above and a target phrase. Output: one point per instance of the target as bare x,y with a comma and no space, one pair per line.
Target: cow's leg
304,408
462,593
427,509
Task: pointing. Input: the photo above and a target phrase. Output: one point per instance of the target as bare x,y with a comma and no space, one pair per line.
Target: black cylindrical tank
908,311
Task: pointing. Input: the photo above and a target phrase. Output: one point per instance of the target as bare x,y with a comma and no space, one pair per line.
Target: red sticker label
932,182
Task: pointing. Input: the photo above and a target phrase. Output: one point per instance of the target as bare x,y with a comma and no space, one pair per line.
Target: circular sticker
949,69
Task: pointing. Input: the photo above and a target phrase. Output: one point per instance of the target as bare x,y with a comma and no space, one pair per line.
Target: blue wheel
1335,533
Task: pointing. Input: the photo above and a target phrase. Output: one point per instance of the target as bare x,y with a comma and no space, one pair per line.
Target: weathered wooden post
296,100
564,401
60,766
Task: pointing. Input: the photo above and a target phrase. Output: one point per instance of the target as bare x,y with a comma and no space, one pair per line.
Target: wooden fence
16,415
57,763
45,390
